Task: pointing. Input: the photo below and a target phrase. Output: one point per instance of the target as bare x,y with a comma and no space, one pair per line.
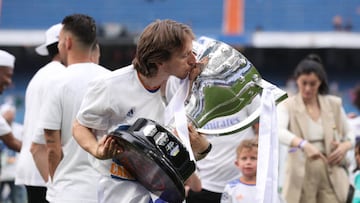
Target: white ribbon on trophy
176,110
267,165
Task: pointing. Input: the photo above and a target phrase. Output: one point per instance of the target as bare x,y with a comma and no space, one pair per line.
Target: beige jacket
331,108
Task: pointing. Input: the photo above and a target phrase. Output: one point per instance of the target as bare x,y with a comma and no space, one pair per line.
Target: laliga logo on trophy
227,84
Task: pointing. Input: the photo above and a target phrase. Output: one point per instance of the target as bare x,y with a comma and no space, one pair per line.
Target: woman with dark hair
315,127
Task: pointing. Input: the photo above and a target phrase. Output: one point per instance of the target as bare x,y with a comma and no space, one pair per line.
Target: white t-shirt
218,167
26,171
75,180
119,98
238,192
4,127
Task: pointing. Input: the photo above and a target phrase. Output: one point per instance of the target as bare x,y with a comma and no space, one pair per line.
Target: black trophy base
155,157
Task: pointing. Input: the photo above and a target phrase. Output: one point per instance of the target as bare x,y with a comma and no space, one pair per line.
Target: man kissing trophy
161,161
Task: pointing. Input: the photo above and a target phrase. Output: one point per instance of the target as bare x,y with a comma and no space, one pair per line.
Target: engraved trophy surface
227,83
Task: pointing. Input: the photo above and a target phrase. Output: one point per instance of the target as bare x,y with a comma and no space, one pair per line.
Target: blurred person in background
70,174
7,64
243,189
27,173
315,127
9,160
40,80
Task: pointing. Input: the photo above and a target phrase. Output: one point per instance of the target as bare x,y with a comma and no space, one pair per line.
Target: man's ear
68,42
160,65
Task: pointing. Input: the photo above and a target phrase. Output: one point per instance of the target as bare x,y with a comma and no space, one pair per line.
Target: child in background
243,190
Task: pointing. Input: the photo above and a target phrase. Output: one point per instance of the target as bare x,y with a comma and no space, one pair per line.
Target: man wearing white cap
27,171
7,62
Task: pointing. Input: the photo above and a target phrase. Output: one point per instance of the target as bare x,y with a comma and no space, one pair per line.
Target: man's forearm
39,153
54,151
11,142
85,138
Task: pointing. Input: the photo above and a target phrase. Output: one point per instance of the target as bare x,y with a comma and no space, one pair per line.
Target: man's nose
192,59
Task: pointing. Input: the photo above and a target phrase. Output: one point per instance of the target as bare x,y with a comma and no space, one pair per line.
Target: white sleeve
285,136
4,127
39,137
95,110
51,110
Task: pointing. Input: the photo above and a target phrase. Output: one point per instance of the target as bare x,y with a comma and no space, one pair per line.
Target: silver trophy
227,83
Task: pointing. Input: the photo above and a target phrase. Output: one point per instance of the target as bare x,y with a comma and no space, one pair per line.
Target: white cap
51,36
6,59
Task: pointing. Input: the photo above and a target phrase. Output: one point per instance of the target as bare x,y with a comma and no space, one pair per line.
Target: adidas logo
130,113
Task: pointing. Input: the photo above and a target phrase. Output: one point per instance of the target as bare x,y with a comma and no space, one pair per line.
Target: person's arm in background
54,150
11,141
7,137
290,139
39,153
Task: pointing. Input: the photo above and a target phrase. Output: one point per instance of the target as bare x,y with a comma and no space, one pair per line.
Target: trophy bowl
228,82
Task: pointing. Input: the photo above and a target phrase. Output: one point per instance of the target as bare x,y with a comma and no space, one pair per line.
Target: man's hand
107,148
198,68
199,143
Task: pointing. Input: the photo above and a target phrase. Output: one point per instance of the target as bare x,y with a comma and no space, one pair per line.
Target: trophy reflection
228,83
